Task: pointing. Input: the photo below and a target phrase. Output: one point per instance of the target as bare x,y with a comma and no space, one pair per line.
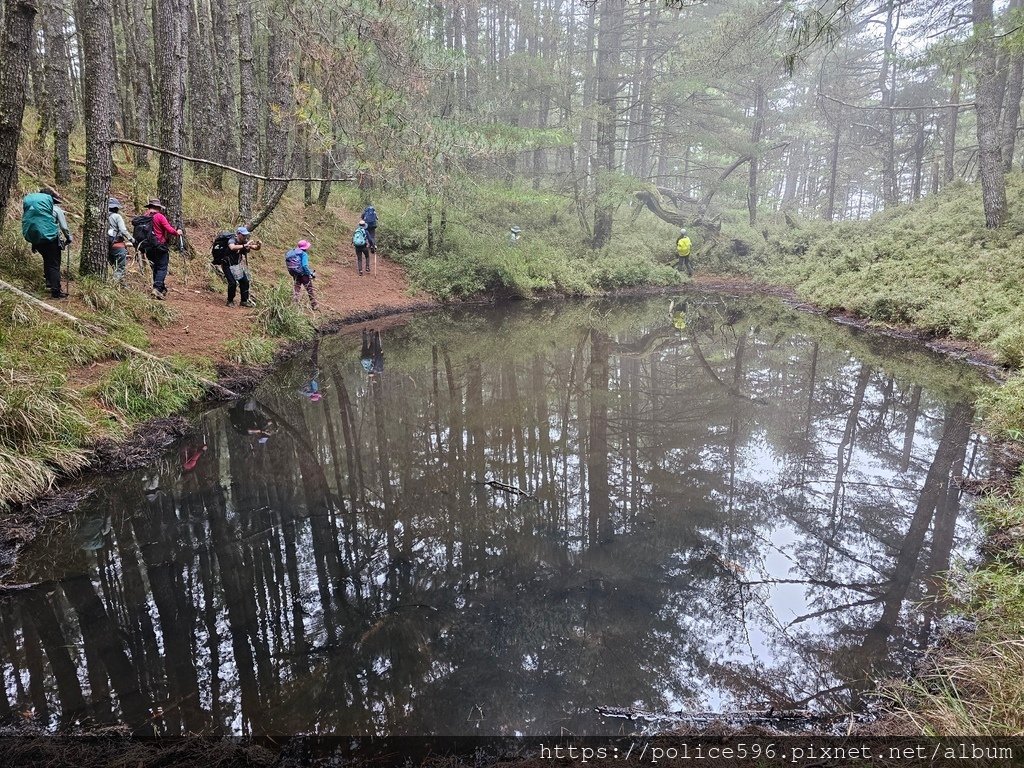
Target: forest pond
733,506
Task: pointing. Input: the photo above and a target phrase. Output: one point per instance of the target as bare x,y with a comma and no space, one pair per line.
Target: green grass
251,350
278,315
43,426
141,389
931,265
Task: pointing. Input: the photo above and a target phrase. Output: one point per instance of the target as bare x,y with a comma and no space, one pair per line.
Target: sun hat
303,245
155,203
113,204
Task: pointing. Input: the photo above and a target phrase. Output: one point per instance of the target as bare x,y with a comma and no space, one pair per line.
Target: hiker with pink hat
297,263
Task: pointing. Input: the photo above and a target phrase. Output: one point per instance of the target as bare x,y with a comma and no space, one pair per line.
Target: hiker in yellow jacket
683,248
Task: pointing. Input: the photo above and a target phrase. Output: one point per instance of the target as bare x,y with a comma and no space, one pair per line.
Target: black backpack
142,231
220,253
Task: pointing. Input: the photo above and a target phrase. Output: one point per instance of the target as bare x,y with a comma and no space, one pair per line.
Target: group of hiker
44,225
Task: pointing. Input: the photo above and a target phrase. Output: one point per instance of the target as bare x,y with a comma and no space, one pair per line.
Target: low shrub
278,315
250,350
43,426
140,388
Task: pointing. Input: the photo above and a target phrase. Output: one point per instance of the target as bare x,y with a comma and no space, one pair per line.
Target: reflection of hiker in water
371,357
248,419
677,313
312,388
190,457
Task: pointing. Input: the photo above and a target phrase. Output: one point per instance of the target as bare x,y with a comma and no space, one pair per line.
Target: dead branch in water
500,486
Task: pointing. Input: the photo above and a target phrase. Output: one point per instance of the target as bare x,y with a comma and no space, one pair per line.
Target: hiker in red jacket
155,243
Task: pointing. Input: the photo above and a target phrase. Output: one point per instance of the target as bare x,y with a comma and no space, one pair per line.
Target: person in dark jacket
369,217
236,270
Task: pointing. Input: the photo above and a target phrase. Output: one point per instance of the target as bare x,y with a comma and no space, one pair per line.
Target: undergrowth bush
932,265
277,314
251,350
141,388
43,426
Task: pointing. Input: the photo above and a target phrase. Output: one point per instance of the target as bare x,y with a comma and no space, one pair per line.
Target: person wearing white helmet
683,248
118,238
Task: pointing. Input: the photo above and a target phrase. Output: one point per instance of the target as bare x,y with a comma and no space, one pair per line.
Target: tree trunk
94,18
755,154
137,37
248,156
325,186
15,54
954,114
833,177
886,80
279,85
919,141
1011,107
227,118
54,19
203,98
170,24
986,100
609,34
37,78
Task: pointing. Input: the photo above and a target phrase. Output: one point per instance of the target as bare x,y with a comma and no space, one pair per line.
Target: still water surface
739,506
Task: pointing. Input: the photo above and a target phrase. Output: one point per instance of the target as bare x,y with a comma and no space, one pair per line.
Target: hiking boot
159,295
58,295
231,303
247,304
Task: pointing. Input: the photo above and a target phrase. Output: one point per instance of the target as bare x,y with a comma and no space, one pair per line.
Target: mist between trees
702,112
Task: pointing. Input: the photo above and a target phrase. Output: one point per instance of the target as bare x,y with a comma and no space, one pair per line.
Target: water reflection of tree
351,573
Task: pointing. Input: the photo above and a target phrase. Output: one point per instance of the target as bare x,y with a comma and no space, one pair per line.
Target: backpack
38,224
370,217
683,246
142,231
359,237
220,253
293,262
113,234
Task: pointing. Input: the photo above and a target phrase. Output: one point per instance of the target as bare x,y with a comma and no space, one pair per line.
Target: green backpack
38,224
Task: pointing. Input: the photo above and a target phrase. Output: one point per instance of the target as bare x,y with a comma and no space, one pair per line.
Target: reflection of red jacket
162,229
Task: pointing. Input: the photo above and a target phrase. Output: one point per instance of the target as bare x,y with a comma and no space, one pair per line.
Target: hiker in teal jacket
42,224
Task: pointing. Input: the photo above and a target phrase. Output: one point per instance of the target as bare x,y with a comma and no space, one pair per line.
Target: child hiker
297,262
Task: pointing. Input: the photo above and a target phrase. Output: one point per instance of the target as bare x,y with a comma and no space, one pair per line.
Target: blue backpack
359,237
370,217
293,262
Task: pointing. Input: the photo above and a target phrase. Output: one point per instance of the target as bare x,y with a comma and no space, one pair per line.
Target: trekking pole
181,250
140,263
67,265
